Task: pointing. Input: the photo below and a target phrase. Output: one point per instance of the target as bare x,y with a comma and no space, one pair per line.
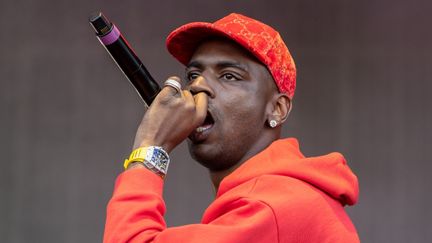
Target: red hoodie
276,196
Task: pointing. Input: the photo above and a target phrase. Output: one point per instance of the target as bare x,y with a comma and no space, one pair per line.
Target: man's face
239,89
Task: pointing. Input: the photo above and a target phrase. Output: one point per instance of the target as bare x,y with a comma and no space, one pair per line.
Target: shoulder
302,210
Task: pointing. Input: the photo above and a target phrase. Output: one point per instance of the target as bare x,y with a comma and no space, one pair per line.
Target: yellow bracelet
153,158
138,155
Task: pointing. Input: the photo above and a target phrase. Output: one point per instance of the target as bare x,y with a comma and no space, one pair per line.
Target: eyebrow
221,64
194,64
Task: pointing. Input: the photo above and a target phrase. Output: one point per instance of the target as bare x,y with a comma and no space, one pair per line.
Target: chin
209,156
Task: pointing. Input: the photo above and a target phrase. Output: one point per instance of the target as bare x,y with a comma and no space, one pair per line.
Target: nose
200,84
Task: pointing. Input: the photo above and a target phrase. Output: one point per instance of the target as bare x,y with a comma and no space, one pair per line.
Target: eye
191,76
229,77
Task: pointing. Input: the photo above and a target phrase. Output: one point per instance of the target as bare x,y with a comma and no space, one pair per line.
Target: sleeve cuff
138,179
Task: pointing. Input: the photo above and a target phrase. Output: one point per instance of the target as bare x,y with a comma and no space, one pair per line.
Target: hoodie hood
329,173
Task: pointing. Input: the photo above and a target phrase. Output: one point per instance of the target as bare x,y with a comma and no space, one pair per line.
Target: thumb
201,103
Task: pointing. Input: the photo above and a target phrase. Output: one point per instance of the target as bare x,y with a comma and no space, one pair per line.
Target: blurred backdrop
68,116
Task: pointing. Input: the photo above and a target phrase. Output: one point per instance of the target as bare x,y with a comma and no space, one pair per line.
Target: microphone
125,58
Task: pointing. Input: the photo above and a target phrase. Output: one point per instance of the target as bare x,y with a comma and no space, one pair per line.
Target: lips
203,131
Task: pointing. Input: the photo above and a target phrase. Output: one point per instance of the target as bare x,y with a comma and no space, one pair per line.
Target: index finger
173,82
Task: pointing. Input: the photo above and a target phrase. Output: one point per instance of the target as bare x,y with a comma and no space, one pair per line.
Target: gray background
68,116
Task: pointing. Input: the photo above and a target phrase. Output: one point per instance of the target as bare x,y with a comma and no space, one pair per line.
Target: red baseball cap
259,39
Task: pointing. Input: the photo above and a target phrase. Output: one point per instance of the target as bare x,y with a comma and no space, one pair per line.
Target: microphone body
125,58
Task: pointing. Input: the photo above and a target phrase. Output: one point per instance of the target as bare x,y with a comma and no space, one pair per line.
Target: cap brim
183,41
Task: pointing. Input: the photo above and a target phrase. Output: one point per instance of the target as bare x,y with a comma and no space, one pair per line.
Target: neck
217,176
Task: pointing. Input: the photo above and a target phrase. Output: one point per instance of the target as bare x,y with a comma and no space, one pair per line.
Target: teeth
201,129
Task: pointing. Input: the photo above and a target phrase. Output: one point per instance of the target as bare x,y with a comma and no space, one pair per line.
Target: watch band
154,158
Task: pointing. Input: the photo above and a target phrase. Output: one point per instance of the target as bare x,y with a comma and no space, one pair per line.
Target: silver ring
173,83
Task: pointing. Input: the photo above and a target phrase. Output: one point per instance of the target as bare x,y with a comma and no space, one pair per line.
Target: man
239,90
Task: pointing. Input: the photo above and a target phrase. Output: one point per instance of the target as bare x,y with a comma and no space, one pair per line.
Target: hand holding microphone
173,115
174,112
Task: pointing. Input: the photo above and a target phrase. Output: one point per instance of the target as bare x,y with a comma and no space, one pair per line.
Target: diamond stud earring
273,123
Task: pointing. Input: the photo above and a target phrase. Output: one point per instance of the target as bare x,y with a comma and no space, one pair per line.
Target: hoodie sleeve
136,209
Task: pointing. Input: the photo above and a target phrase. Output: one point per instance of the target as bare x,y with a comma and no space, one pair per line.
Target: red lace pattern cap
260,39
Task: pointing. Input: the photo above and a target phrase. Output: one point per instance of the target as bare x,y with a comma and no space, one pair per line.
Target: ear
279,108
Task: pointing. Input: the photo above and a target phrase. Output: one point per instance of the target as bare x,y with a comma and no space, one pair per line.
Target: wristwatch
154,158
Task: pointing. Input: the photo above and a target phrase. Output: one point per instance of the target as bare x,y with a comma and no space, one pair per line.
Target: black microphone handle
126,59
134,70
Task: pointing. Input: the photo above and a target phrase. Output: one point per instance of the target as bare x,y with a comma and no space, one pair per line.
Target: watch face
158,158
161,159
